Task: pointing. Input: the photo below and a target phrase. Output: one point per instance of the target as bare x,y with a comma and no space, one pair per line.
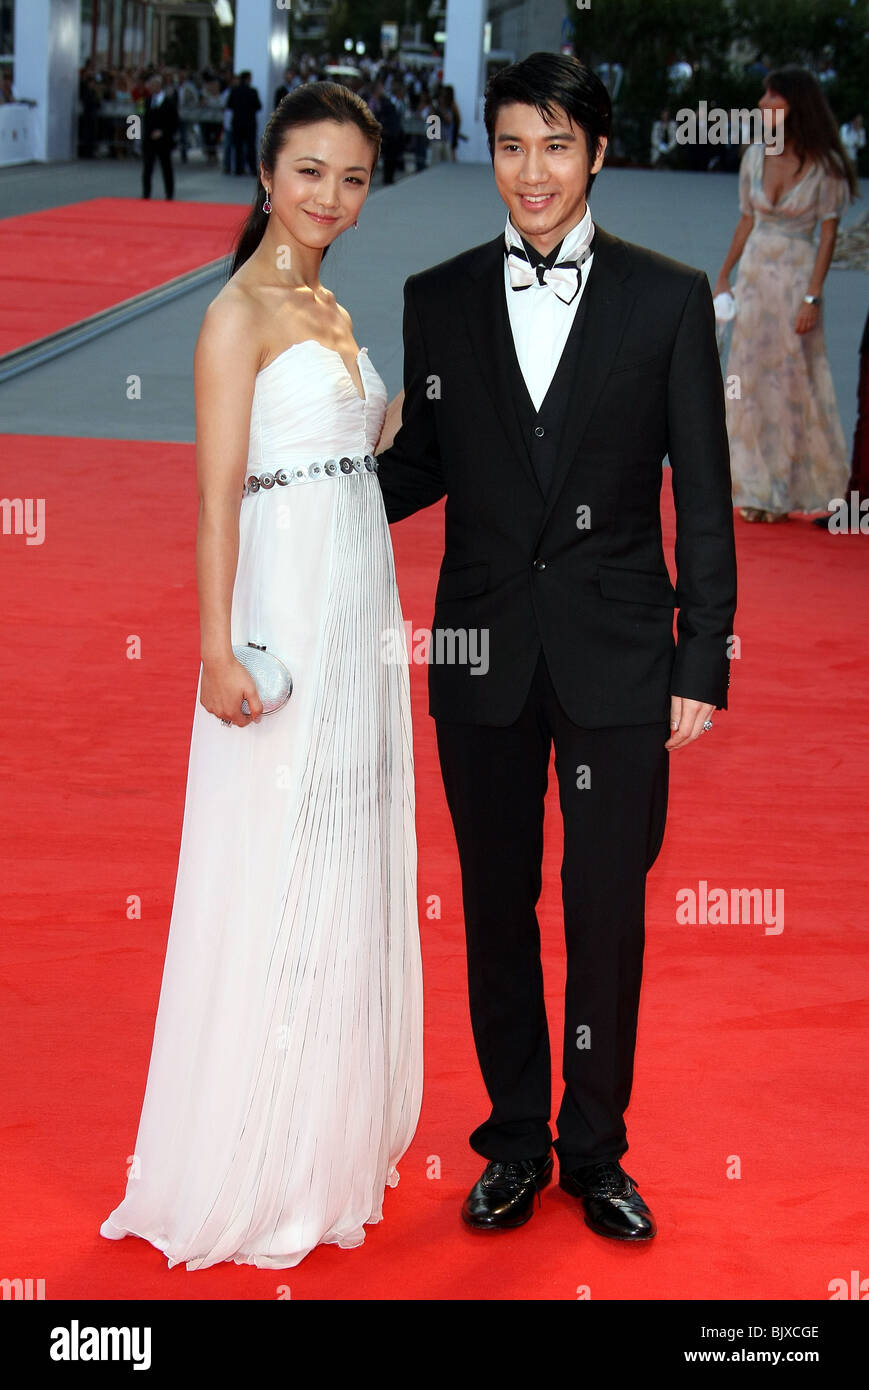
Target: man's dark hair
547,81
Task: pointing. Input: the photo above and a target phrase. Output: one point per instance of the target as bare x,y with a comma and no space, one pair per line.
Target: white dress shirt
539,319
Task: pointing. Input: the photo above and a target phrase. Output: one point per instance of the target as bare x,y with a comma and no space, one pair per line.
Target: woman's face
773,101
320,181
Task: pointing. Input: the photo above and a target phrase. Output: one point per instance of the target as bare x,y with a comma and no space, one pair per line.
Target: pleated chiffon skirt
286,1071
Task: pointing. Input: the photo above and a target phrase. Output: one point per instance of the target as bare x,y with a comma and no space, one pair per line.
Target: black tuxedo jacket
590,586
164,118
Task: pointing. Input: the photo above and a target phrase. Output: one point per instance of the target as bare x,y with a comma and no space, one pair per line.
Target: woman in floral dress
787,447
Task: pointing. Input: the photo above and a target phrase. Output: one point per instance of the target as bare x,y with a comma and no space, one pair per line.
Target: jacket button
540,564
540,431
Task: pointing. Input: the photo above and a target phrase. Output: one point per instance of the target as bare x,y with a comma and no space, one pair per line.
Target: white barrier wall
18,134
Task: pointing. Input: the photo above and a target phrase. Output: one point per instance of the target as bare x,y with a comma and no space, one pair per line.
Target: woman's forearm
737,245
216,563
391,424
826,245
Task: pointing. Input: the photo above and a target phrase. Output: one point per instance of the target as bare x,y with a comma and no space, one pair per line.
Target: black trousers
152,150
613,785
244,145
393,156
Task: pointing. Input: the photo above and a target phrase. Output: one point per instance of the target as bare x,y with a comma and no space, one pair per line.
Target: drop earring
267,207
356,225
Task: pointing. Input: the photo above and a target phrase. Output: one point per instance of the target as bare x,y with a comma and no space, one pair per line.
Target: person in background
138,90
211,127
188,99
232,83
388,112
419,109
663,139
853,137
398,92
89,100
159,128
244,103
290,82
787,447
442,145
456,120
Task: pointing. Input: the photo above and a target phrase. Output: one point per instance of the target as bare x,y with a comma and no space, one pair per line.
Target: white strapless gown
286,1071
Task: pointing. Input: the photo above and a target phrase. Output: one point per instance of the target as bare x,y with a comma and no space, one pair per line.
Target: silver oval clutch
273,681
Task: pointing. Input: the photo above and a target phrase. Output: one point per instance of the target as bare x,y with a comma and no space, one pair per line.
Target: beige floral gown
787,447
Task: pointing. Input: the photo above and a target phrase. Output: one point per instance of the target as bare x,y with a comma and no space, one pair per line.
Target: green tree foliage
648,36
361,19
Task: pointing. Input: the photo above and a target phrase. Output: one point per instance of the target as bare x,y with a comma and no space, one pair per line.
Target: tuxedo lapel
489,328
608,302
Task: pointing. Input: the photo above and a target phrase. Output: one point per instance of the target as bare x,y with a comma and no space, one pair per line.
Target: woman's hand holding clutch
225,683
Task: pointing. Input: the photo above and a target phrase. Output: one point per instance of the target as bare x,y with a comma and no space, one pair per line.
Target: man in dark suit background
159,128
547,375
244,103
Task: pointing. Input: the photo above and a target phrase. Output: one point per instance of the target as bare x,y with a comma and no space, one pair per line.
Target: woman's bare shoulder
345,315
235,307
233,321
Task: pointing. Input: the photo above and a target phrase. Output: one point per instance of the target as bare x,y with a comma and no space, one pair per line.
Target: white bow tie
563,277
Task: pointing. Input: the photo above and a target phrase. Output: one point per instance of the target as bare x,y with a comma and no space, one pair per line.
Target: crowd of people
215,111
222,110
666,151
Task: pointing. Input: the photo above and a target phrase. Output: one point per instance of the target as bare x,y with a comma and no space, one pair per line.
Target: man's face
541,172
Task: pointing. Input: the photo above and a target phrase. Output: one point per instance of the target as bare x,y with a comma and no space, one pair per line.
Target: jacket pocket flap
651,353
635,586
462,580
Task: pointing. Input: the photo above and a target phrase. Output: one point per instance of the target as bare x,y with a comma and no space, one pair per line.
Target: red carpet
752,1045
95,254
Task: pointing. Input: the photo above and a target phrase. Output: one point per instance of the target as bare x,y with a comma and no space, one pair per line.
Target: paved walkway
419,221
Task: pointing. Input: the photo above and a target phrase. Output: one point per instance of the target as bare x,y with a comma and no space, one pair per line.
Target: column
204,44
46,71
262,47
464,71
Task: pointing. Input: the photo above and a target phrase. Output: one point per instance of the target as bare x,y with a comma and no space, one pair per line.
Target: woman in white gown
286,1070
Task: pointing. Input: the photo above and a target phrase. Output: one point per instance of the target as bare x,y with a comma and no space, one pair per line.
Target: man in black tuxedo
159,128
547,374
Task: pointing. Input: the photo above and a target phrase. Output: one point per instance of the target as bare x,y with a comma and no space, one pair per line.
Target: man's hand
687,718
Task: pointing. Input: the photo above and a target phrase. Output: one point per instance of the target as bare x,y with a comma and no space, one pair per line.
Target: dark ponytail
306,105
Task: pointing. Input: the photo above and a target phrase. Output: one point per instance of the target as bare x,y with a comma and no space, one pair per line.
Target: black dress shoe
613,1206
504,1196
